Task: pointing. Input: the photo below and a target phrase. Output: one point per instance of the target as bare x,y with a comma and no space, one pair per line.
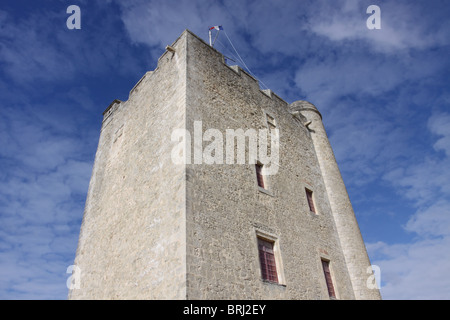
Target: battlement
173,49
236,68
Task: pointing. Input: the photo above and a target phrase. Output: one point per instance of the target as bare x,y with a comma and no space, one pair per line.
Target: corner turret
352,244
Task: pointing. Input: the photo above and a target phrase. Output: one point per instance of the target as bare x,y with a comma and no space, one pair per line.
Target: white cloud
44,180
431,221
417,270
427,181
414,270
439,125
346,21
357,72
158,23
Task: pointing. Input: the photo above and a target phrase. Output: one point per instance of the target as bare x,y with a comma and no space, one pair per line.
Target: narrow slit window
267,260
259,175
271,122
328,280
309,197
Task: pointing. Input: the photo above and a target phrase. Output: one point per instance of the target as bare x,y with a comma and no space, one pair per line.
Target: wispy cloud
400,31
43,183
425,180
36,46
415,270
439,126
383,95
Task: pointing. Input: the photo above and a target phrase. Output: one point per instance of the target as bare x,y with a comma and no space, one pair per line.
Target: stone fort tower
157,229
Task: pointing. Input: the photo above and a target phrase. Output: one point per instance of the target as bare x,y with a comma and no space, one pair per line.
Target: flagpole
210,43
217,34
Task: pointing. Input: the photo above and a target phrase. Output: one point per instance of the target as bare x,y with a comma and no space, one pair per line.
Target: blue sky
384,95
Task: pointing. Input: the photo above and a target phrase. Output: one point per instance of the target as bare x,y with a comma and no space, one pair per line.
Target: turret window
328,279
259,175
309,197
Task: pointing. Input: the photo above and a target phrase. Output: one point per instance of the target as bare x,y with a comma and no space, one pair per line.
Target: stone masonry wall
226,210
132,240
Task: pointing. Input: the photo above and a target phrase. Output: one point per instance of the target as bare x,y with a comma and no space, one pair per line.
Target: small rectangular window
309,197
328,280
267,260
271,122
259,175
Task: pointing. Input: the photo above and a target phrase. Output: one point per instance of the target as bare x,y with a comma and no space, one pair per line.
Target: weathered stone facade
154,229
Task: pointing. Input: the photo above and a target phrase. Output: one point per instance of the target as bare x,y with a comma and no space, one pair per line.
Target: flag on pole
216,27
